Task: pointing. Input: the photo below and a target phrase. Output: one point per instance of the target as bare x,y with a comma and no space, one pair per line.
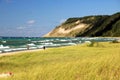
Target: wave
4,47
18,44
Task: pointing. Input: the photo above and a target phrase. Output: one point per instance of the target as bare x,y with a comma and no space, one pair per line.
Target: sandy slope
80,26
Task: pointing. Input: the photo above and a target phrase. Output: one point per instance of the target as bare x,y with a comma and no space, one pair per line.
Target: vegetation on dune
108,25
99,25
115,31
103,26
80,62
98,20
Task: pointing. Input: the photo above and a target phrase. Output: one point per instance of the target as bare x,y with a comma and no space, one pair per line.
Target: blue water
10,44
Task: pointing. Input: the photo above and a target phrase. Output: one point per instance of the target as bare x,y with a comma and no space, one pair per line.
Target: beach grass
79,62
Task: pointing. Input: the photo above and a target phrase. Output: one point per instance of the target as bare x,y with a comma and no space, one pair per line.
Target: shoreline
18,52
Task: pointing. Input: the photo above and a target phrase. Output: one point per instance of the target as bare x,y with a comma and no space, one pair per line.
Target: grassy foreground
80,62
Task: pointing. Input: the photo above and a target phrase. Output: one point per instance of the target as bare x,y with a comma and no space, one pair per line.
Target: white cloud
27,25
21,28
31,22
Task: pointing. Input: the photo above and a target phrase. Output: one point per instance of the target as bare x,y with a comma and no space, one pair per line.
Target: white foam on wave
19,49
7,50
50,43
63,40
31,44
33,48
3,41
4,47
40,46
71,44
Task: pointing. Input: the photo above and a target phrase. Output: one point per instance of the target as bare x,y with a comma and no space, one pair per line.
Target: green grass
78,62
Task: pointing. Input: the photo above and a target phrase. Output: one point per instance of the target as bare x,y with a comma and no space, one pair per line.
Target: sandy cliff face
88,26
62,32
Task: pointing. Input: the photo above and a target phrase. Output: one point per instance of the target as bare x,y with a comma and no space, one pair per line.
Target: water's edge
12,44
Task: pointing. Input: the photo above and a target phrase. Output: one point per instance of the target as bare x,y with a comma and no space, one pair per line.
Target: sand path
18,52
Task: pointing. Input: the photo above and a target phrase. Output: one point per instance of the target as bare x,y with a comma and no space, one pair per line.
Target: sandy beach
18,52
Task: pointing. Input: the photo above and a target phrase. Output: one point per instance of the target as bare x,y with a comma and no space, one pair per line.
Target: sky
34,18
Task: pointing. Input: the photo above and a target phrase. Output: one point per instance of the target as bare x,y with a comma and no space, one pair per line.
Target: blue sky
35,18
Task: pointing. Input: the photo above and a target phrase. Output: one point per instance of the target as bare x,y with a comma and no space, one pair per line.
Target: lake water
10,44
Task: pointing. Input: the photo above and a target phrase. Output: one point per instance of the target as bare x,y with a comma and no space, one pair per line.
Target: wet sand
18,52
